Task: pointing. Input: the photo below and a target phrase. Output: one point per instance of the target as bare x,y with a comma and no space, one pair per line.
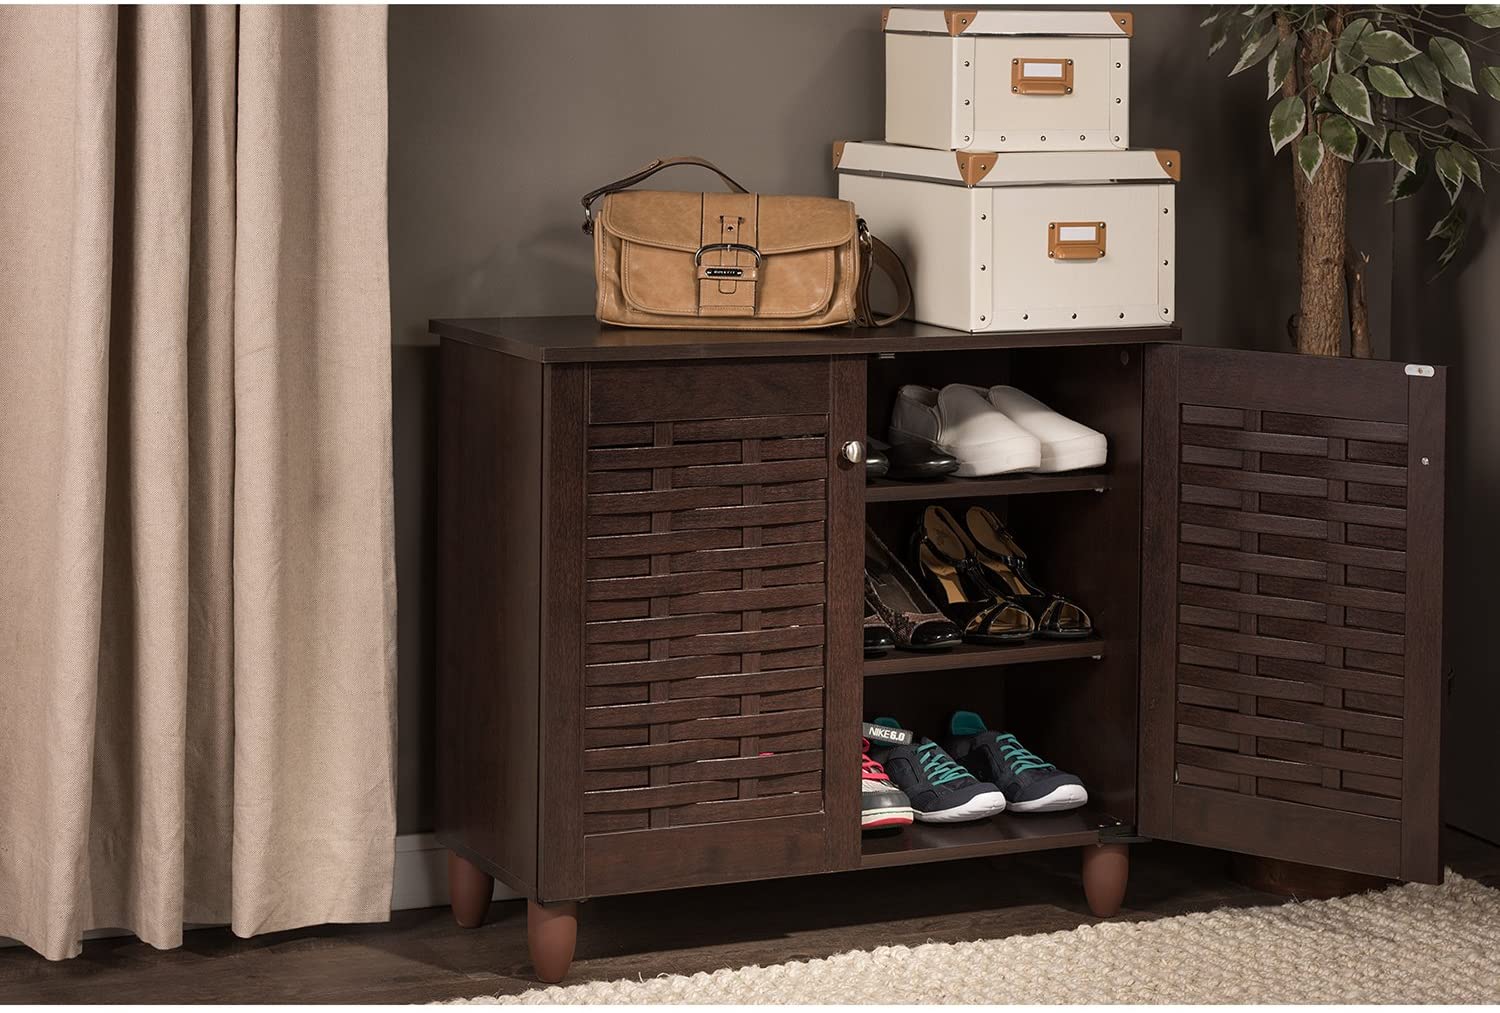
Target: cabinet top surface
584,339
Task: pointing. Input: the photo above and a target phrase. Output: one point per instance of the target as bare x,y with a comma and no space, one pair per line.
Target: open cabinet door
1292,610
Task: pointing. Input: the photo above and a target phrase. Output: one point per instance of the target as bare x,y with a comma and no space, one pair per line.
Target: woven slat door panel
705,610
1291,655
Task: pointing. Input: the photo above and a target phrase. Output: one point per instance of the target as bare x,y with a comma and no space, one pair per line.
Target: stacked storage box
1006,180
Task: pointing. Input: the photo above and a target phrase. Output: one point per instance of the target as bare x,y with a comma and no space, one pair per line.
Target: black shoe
940,790
944,558
915,461
1030,784
876,463
878,636
898,599
1005,564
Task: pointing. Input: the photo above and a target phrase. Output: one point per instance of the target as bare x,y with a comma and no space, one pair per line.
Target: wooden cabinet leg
1106,868
469,891
551,933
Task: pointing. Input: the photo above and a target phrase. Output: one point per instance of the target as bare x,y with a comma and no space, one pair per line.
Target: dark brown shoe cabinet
650,571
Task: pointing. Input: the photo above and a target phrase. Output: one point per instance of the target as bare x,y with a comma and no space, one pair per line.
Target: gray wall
501,117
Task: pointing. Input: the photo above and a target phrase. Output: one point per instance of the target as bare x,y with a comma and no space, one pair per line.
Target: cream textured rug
1407,944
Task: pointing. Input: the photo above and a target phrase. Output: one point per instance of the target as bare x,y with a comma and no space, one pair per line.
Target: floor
421,956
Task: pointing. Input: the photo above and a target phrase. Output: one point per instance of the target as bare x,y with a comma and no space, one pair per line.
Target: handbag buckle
727,271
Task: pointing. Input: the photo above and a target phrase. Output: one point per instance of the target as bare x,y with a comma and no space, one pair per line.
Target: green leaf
1484,15
1408,183
1319,77
1421,75
1489,78
1347,51
1449,172
1388,83
1219,34
1401,150
1310,155
1350,95
1216,15
1447,226
1254,52
1287,120
1281,64
1454,227
1376,132
1452,61
1339,136
1468,162
1387,47
1460,125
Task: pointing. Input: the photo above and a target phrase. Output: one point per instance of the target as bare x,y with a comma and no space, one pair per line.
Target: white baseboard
421,876
420,879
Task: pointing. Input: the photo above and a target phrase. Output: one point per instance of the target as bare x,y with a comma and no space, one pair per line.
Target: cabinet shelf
983,656
883,490
1000,835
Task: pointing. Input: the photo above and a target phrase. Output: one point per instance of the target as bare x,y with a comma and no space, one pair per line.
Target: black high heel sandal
1003,560
898,599
945,559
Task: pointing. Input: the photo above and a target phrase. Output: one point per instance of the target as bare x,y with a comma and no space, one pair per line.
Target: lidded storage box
1002,80
1027,240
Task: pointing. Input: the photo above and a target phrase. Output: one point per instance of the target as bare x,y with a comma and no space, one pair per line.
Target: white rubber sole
977,462
1085,452
895,816
977,808
1068,796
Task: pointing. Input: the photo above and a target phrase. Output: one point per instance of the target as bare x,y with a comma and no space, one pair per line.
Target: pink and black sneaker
882,803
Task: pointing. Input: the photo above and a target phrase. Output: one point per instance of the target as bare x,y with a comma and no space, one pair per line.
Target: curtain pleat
197,592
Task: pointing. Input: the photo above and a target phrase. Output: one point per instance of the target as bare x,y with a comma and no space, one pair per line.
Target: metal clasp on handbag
727,271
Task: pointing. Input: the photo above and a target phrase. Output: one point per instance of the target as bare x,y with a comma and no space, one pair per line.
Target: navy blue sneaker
1030,784
940,790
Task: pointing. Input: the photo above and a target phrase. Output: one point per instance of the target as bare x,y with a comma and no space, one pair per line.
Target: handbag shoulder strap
876,255
646,171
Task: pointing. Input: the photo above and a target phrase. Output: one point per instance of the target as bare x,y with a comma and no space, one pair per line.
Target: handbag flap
674,221
797,242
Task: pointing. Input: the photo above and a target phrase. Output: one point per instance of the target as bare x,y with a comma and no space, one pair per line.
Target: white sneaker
960,420
1066,445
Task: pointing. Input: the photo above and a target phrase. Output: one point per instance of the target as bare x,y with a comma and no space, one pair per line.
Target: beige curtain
197,593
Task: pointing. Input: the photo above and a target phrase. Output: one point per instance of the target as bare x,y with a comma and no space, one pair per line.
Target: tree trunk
1355,265
1320,324
1321,215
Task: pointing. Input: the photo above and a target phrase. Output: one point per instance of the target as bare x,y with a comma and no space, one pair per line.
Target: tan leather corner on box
838,152
1171,162
974,165
1125,20
958,21
885,15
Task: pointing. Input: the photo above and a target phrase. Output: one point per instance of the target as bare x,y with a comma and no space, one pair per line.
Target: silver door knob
854,451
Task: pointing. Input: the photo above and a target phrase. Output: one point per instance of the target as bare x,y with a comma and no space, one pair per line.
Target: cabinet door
1292,619
700,704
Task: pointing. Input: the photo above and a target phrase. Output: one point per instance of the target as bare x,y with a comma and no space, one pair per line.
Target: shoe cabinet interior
650,567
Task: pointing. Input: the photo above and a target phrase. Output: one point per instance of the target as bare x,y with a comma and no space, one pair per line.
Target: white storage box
1018,241
1007,80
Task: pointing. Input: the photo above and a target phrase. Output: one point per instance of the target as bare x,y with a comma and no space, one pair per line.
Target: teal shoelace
938,765
1018,756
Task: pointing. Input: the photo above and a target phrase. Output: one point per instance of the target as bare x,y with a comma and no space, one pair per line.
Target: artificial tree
1362,84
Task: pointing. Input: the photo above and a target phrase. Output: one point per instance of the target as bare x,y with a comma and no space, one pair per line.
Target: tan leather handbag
736,260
